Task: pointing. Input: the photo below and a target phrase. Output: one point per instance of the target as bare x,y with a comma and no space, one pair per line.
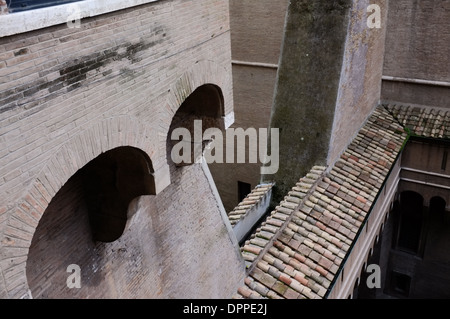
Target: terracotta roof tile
252,199
319,218
421,120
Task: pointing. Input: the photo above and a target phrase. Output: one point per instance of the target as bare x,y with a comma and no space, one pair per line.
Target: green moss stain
307,87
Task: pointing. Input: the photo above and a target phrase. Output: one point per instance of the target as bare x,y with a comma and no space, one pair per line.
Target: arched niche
201,110
89,212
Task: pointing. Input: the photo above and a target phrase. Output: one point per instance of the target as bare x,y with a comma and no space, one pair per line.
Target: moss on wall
307,87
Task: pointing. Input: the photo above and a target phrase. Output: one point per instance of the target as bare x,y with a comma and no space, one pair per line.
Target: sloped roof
273,223
248,202
422,121
298,252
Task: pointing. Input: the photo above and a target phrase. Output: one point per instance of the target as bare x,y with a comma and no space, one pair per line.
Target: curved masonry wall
69,94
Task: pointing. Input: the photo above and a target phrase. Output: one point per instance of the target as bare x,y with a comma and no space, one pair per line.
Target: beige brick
121,102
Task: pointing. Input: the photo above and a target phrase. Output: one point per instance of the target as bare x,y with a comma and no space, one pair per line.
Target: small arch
201,110
206,100
215,82
437,204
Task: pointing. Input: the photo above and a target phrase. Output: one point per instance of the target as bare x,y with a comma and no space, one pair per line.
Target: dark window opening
400,283
243,190
410,224
23,5
437,208
444,161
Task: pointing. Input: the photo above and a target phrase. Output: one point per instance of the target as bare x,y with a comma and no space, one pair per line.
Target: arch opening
437,207
110,183
83,222
201,110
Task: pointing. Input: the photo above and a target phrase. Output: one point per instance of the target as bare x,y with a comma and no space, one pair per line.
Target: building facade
97,101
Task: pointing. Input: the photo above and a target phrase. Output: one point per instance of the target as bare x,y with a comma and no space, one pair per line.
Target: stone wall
360,83
68,94
256,36
327,84
417,49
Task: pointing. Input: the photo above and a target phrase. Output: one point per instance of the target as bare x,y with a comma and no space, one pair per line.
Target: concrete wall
69,94
417,48
327,84
360,83
256,36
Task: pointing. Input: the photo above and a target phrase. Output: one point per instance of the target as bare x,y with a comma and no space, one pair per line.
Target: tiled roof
278,216
422,121
248,202
299,253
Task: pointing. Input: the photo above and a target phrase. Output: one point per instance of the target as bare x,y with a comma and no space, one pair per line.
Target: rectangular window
400,283
243,190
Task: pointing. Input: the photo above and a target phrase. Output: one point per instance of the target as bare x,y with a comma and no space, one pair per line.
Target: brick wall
169,236
256,36
69,94
417,48
417,39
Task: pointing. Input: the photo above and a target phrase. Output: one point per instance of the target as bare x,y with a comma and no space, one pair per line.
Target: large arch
102,136
84,218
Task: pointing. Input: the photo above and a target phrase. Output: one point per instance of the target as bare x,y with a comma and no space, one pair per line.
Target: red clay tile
301,279
291,294
285,278
321,271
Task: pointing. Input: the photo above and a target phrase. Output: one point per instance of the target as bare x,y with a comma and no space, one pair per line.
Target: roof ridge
251,200
289,218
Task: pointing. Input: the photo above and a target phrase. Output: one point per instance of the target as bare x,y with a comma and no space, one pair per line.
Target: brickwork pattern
69,94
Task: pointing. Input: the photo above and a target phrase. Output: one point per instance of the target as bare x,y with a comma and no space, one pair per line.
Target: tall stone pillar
328,82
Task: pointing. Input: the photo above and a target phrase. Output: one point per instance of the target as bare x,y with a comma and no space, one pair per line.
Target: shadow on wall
205,104
87,213
111,182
